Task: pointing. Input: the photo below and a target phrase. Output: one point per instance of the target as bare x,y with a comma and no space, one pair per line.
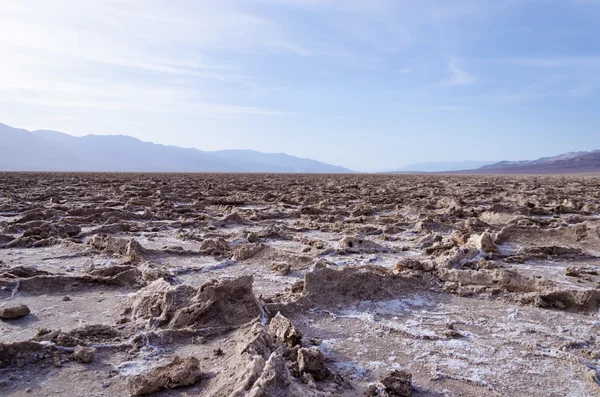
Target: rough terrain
299,285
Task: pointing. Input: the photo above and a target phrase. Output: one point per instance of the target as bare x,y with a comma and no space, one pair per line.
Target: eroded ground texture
299,285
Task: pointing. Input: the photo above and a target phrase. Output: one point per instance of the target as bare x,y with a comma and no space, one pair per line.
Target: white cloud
459,76
583,89
147,55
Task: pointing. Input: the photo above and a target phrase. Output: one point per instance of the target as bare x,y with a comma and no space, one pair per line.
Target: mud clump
485,243
247,251
214,247
577,300
275,380
60,283
327,283
269,363
225,303
581,271
20,354
232,219
284,332
311,361
176,373
82,336
13,312
84,355
282,268
41,234
22,272
397,384
128,248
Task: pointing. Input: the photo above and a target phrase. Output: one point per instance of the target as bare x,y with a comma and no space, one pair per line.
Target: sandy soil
299,285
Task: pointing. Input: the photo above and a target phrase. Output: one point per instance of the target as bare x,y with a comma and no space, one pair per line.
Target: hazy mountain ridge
45,150
566,163
440,166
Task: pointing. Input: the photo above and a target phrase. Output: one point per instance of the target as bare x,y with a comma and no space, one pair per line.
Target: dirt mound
226,303
247,251
60,284
41,234
524,289
577,300
176,373
132,275
312,361
262,365
525,254
393,384
84,355
22,272
129,249
82,336
232,219
484,242
23,353
501,279
327,283
275,380
215,247
283,332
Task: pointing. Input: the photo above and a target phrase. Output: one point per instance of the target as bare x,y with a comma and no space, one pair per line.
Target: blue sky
366,84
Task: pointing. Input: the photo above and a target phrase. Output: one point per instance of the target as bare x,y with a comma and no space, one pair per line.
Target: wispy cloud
145,55
583,89
459,77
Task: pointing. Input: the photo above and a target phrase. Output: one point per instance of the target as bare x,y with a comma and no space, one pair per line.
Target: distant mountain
282,161
567,163
441,166
22,150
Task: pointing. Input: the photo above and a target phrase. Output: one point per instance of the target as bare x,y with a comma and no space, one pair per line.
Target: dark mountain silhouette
22,150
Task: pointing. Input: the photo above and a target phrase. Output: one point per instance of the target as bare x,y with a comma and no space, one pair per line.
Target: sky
370,85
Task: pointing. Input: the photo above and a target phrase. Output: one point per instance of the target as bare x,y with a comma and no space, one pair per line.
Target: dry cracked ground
299,285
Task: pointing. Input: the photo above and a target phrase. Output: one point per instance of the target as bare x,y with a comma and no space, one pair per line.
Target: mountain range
440,166
43,150
567,163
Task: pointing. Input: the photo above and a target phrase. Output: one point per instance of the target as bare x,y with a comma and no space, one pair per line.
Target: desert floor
299,285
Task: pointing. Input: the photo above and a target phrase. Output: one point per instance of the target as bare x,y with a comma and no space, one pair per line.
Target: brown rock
298,287
84,354
56,360
312,361
282,268
176,373
398,383
216,304
283,331
247,251
13,312
486,243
